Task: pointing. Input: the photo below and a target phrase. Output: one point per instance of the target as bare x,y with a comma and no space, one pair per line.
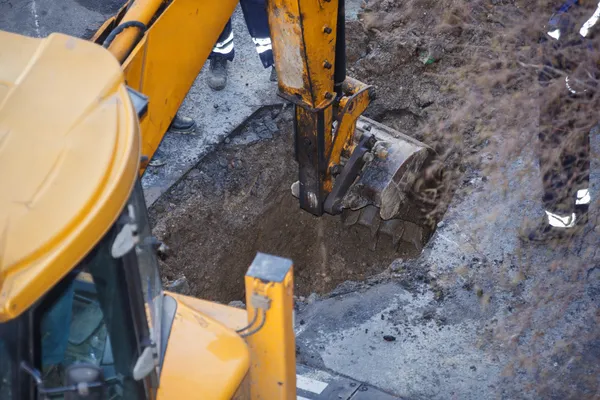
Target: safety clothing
257,21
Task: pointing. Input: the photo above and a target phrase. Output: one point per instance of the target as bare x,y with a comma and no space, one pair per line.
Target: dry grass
491,105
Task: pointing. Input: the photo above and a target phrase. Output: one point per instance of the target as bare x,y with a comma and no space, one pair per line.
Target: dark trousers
255,14
563,151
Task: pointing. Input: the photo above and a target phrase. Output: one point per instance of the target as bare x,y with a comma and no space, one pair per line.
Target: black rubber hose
339,75
120,28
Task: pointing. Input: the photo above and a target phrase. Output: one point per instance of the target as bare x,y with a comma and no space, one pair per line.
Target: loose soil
237,202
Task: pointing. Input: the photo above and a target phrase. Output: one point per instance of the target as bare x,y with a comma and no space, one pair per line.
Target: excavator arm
348,164
162,46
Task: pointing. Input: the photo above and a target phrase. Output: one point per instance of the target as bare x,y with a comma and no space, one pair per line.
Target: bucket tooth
369,217
394,228
414,234
350,217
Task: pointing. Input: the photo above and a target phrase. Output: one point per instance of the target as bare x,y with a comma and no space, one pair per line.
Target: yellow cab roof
69,154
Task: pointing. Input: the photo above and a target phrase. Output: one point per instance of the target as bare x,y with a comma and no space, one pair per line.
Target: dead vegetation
463,76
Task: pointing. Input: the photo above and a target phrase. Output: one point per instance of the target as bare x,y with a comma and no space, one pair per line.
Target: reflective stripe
569,86
555,34
585,29
583,197
262,49
226,41
261,41
560,221
225,50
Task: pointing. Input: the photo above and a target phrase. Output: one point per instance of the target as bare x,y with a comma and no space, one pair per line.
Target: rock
397,265
179,285
389,338
163,251
478,291
237,304
271,126
287,116
237,163
265,134
312,298
194,173
227,140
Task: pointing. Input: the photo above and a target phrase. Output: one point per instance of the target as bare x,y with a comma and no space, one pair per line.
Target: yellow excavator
82,311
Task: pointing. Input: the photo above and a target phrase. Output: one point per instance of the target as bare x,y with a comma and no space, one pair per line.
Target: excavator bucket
348,164
394,193
388,181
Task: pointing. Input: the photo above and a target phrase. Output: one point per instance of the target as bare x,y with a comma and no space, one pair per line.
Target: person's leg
557,168
55,326
563,152
581,172
224,46
257,21
223,52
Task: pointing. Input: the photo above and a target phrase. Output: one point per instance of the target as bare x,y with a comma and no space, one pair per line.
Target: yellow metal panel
204,359
69,147
16,53
355,101
134,70
304,35
271,338
231,317
166,65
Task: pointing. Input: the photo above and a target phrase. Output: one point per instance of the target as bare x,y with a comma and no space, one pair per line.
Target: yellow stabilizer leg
270,334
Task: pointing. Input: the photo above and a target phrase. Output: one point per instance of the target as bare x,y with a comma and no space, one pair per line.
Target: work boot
273,76
184,125
158,160
217,73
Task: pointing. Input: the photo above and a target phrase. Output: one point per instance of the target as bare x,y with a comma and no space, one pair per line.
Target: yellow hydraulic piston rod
139,11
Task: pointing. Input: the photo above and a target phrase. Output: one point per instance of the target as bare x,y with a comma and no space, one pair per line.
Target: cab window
94,317
148,267
5,372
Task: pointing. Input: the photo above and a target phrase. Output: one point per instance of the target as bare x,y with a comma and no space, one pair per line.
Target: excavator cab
87,329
